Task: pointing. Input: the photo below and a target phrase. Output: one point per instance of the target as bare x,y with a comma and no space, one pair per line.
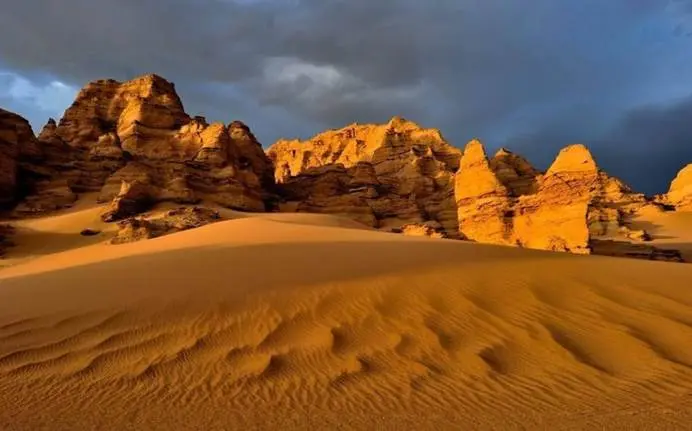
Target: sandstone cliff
506,201
680,192
133,145
483,202
138,131
17,141
385,176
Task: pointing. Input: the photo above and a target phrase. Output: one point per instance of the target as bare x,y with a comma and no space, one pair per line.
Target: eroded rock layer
680,192
384,176
506,201
138,131
17,141
133,145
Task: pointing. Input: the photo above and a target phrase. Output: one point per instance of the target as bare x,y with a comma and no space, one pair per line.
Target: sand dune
303,322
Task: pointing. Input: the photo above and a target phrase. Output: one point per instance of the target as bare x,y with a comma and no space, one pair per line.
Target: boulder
429,229
172,221
134,197
89,232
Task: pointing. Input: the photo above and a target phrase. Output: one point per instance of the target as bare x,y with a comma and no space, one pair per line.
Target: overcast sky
531,75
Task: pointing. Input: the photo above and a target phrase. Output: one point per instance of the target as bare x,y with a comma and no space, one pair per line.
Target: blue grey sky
531,75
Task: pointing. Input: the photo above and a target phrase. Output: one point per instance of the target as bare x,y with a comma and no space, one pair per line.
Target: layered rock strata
680,192
138,131
385,176
506,201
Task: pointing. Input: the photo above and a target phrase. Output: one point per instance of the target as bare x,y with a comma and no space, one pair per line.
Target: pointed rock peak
397,120
574,158
400,123
236,124
200,119
516,161
48,129
153,79
473,153
503,152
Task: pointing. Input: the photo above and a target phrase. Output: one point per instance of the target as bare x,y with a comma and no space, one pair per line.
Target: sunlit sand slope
306,323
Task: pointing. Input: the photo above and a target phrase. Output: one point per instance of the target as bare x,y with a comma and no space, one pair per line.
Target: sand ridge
302,321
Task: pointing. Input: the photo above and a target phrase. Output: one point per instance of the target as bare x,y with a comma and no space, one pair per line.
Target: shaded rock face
177,220
138,130
506,201
134,197
6,231
384,176
635,251
680,192
515,173
17,141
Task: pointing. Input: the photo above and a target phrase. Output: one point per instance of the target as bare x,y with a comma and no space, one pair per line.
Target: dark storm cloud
502,70
656,140
645,146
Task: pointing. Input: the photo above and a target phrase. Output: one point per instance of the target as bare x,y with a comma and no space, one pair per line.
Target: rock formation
680,192
430,229
138,131
17,141
133,146
384,176
556,216
176,220
506,201
484,203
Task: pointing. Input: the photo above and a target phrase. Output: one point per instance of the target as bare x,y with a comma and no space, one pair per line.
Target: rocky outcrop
556,216
132,145
635,251
680,192
139,131
17,141
385,176
172,221
515,173
484,203
429,229
506,201
134,197
6,231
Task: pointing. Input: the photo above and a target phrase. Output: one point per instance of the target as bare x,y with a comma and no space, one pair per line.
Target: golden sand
306,322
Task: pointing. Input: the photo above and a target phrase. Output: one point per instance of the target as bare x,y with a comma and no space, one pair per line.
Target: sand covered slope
298,321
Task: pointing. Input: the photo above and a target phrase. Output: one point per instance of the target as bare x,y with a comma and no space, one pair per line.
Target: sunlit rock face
138,130
505,200
385,176
680,192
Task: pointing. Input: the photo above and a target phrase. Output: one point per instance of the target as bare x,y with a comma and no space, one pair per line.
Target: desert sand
299,321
